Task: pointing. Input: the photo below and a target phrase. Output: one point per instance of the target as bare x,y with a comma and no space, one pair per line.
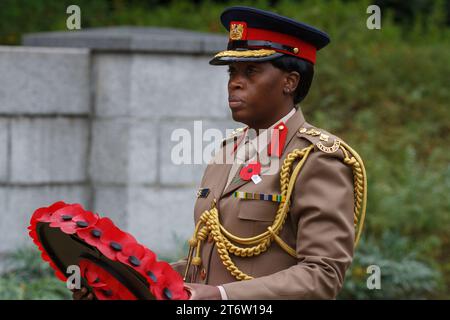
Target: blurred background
104,139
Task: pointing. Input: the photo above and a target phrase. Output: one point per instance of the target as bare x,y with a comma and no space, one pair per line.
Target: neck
266,123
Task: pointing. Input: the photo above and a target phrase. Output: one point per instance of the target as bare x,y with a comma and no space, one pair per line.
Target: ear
291,81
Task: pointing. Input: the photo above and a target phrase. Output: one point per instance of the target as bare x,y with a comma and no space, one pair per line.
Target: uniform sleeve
322,211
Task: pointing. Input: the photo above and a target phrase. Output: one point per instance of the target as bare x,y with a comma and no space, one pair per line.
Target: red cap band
240,31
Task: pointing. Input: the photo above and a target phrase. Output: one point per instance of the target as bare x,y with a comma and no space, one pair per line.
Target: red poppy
92,235
113,240
251,169
90,274
43,214
72,218
155,271
64,218
104,286
166,283
86,220
136,256
120,291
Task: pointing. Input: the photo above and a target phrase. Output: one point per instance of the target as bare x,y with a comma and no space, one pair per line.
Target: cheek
266,91
272,87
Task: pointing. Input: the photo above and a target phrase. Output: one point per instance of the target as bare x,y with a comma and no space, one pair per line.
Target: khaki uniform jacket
319,226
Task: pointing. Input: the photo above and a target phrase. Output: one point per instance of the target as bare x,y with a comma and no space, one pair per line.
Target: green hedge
29,277
383,91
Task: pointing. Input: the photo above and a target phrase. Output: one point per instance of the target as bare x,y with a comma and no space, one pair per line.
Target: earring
286,90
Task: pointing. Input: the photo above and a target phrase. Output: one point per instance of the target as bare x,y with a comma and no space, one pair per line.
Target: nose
235,82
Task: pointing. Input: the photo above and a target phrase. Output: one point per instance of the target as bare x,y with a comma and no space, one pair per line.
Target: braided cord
352,158
225,241
209,222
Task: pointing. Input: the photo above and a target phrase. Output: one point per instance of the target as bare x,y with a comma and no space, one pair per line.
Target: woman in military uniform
282,219
274,220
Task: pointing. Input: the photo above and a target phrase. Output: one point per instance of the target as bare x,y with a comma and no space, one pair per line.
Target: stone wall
87,117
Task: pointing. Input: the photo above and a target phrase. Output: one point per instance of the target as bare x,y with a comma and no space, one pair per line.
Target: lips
235,102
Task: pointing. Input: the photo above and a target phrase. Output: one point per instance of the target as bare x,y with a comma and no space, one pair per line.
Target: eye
250,70
231,68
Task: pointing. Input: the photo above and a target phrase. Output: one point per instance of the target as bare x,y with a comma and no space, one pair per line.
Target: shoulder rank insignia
331,149
203,193
322,138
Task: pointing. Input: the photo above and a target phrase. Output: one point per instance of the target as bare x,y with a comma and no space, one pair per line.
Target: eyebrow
253,66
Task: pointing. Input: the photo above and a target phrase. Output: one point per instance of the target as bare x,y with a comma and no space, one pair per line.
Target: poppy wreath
163,282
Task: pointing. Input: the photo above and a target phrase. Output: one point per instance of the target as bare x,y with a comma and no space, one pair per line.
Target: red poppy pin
251,169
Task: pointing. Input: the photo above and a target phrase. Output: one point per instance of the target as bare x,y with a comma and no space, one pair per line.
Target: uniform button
281,127
203,274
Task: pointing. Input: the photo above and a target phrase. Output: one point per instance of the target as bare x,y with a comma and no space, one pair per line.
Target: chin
240,116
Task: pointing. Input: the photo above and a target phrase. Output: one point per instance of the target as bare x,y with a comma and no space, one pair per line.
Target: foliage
403,275
29,277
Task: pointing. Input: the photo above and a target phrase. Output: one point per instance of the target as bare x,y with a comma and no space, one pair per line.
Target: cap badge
237,31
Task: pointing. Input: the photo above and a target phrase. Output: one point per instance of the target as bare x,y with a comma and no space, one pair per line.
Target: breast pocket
257,210
255,216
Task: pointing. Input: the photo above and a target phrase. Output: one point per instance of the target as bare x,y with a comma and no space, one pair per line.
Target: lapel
293,124
218,173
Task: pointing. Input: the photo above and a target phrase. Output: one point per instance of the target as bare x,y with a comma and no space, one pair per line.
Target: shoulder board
322,139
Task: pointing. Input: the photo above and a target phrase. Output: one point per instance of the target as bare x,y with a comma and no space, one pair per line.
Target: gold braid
352,158
209,221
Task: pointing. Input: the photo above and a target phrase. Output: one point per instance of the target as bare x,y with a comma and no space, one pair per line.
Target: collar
277,136
293,124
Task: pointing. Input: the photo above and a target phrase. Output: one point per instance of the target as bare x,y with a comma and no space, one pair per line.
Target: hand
203,292
82,294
